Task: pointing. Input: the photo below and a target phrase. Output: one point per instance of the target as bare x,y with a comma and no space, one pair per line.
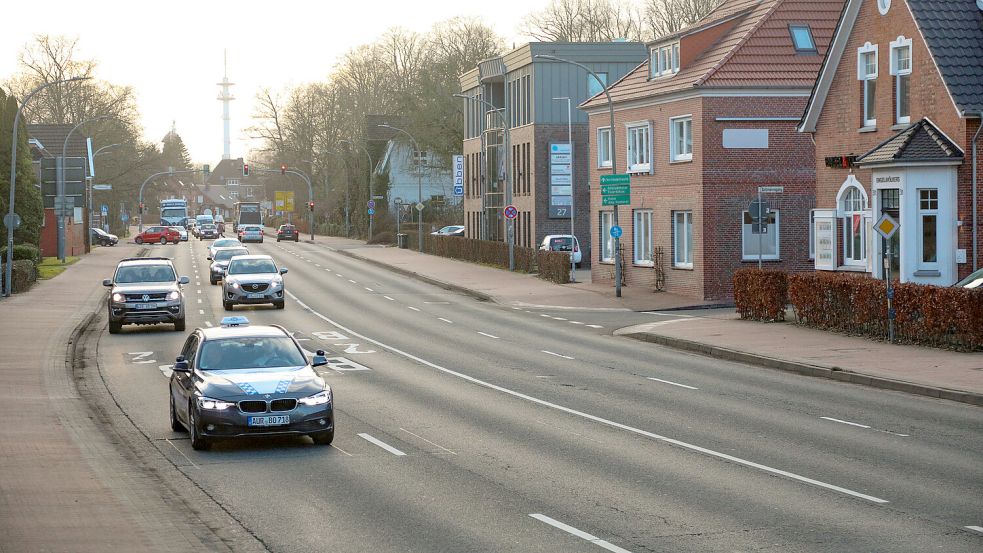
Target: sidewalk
718,333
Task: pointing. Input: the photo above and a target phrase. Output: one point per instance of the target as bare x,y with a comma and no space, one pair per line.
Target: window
604,147
883,6
802,39
867,74
812,234
681,138
594,87
765,243
643,237
682,239
607,241
664,60
928,221
234,194
853,204
232,182
901,70
638,148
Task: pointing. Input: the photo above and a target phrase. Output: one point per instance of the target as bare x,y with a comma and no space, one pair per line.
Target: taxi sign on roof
234,321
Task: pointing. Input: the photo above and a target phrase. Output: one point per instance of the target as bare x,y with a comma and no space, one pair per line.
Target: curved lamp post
419,186
369,157
61,186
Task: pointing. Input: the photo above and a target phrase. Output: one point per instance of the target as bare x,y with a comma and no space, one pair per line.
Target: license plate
146,306
269,420
254,296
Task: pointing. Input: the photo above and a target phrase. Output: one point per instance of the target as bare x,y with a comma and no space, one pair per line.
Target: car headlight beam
320,398
118,298
174,295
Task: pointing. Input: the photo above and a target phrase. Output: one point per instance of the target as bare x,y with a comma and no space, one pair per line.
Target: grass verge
51,267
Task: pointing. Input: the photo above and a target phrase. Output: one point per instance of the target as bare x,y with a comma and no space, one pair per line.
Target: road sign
123,216
886,226
511,212
616,231
371,204
104,209
371,211
620,199
458,175
102,187
11,222
615,189
771,189
621,178
419,206
283,201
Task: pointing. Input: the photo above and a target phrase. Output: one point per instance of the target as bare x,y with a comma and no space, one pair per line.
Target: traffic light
206,169
245,169
283,168
141,207
310,205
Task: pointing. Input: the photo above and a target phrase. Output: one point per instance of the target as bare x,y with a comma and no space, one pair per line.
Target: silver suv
252,279
145,290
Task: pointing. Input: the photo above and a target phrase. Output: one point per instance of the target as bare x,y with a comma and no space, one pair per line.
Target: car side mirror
181,365
283,270
319,359
107,282
183,280
209,258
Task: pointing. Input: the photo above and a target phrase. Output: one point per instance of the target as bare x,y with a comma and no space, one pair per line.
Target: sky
171,52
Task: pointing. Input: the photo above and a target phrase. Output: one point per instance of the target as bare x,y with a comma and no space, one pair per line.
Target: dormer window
802,39
664,59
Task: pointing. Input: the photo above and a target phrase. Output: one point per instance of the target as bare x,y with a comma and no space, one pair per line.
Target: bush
23,251
23,274
553,266
384,237
761,294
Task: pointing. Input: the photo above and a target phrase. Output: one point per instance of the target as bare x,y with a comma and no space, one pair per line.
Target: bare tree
664,17
584,21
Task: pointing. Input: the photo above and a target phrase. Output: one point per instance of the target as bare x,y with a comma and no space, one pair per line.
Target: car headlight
213,404
320,398
174,295
118,298
277,282
234,284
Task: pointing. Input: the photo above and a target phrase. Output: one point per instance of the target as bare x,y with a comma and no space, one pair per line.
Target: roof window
802,38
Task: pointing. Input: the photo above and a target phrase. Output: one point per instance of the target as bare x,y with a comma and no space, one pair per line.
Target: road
468,426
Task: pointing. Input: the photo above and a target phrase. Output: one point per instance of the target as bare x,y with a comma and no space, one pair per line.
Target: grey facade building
520,89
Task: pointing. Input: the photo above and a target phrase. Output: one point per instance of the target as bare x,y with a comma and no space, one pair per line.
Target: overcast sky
171,52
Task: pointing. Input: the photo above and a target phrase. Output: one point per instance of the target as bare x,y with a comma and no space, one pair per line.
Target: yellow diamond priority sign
886,226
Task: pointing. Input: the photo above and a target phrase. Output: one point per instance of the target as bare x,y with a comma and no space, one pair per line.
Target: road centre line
845,422
558,319
199,300
428,441
595,326
489,335
556,354
201,311
673,383
579,533
595,418
339,275
975,528
381,444
388,298
352,281
369,289
576,323
448,321
413,308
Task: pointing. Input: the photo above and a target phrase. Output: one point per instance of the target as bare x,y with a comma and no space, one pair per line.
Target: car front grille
260,406
255,287
150,297
252,406
283,404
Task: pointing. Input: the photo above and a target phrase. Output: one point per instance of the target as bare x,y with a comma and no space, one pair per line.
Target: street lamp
13,180
419,186
614,164
92,172
369,157
573,187
60,193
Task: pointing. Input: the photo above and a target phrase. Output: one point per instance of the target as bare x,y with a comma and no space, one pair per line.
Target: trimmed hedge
553,266
23,251
24,274
761,294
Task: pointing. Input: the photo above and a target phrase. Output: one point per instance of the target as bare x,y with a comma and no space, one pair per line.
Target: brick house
705,121
46,142
894,115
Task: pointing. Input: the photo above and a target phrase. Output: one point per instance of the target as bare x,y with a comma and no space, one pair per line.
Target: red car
160,235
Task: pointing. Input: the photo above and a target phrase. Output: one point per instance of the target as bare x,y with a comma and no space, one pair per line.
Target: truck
248,213
174,212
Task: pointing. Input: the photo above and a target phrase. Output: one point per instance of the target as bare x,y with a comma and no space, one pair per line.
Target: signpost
511,212
760,215
886,226
561,181
616,232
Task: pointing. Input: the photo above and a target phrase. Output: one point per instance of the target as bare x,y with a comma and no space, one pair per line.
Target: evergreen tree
27,201
174,153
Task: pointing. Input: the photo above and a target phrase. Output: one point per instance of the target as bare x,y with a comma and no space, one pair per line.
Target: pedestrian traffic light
141,207
310,205
283,168
245,169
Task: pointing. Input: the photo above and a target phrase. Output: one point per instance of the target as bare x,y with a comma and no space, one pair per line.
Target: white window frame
901,73
234,194
883,6
922,213
682,239
604,155
869,79
812,234
664,60
674,154
231,182
774,234
607,241
642,234
641,152
846,214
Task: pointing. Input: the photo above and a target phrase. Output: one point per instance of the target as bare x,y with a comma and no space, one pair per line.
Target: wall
74,236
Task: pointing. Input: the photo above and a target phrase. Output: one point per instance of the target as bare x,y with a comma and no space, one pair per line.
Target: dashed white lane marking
595,326
576,323
208,323
199,291
579,533
546,315
198,283
381,444
339,275
388,298
428,441
199,300
595,418
369,289
556,354
558,319
489,335
201,311
318,265
975,528
413,308
352,281
673,383
845,422
448,321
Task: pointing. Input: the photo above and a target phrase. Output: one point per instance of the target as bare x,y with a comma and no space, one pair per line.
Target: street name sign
620,178
102,187
771,189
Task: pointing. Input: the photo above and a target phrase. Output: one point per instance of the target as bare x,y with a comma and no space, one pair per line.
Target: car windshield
252,229
562,244
974,280
225,255
144,273
261,352
251,266
225,242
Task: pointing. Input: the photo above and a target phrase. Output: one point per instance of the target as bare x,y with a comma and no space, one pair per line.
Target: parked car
450,230
562,243
207,230
183,232
158,234
145,290
103,238
974,280
253,279
250,233
220,262
287,232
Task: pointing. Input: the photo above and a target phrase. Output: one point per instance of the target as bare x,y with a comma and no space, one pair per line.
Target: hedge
553,266
24,274
23,251
761,294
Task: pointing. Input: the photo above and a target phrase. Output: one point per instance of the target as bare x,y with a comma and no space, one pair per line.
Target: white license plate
146,306
269,420
254,296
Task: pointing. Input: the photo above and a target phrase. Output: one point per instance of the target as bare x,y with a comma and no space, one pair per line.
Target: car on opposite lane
220,262
145,290
252,279
158,234
287,232
207,230
250,233
239,380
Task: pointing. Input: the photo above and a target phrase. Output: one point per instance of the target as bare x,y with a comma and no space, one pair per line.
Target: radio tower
225,96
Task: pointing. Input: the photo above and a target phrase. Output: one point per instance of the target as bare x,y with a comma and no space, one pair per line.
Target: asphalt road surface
465,426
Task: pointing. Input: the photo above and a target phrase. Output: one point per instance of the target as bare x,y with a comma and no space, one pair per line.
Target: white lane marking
576,323
208,324
318,265
517,308
182,453
199,300
369,289
197,283
673,383
595,326
975,528
489,335
428,441
556,354
667,314
448,321
339,275
199,291
413,308
388,298
381,444
558,319
579,533
201,311
546,315
166,370
352,281
595,418
342,450
845,422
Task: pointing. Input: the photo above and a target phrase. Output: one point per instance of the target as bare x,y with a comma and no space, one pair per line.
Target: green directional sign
618,199
615,189
622,178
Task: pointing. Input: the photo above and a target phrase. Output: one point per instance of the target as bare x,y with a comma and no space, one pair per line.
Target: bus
248,213
174,212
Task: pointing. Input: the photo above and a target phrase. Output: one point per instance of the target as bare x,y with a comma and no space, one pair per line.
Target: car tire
198,442
297,238
138,240
323,438
163,240
175,424
280,304
179,325
115,326
212,281
277,238
176,241
228,305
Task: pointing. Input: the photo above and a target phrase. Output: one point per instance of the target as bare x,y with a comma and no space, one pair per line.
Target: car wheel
138,240
175,424
228,305
115,326
297,238
279,304
198,442
212,281
179,325
323,438
176,240
163,240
